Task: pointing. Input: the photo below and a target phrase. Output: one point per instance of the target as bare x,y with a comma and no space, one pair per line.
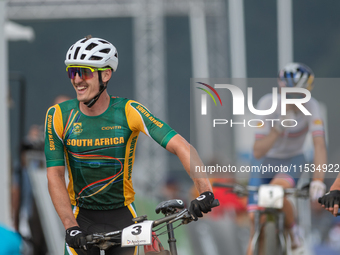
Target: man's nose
77,78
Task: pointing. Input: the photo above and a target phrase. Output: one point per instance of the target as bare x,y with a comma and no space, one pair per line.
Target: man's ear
106,75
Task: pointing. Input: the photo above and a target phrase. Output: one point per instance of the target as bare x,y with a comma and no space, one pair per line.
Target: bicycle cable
167,231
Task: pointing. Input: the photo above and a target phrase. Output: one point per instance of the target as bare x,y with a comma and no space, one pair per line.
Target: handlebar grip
215,203
89,238
223,185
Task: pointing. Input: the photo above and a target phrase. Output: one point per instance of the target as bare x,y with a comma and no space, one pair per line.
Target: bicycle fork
257,227
281,235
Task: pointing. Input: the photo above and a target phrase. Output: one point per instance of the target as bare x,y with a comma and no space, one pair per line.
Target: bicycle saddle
169,206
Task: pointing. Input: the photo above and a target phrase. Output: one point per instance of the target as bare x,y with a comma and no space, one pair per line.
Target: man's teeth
81,87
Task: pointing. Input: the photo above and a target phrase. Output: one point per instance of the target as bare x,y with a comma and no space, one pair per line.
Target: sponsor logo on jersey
77,128
111,128
317,122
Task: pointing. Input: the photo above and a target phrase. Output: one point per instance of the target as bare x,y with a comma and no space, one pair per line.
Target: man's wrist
335,185
70,223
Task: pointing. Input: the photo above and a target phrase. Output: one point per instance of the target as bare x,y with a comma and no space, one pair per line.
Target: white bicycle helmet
94,52
296,75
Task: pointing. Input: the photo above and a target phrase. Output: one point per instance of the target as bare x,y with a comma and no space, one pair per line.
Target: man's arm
263,145
189,157
336,183
59,195
320,157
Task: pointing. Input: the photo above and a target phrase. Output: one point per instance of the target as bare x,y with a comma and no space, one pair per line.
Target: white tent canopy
17,32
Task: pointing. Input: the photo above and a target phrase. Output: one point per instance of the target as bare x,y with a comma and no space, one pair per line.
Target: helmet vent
91,46
76,53
83,56
116,54
69,56
105,50
102,41
95,58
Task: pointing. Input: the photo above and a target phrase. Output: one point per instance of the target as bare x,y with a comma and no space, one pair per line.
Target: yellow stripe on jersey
130,149
134,119
70,188
58,122
75,211
132,210
69,250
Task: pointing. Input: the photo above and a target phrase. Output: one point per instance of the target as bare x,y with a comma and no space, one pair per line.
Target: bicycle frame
168,208
277,214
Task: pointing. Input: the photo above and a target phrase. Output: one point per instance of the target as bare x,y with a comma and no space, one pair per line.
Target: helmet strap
102,87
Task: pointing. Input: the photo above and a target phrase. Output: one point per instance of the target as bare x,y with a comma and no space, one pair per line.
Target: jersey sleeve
54,146
315,120
141,119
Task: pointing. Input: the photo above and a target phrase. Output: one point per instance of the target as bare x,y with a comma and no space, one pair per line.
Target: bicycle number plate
271,196
137,234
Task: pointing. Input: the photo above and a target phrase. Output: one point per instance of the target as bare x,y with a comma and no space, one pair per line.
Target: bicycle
271,200
143,232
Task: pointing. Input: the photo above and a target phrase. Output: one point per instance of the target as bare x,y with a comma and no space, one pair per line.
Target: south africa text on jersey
147,114
95,142
49,130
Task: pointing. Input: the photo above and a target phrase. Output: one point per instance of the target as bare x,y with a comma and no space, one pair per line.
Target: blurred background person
277,145
25,214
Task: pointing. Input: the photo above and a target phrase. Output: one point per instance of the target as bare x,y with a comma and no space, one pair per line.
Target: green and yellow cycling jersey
100,150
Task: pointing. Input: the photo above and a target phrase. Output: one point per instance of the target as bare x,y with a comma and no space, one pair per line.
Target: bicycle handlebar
102,240
241,190
184,214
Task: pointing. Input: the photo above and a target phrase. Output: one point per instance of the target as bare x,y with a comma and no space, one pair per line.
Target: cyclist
96,135
276,145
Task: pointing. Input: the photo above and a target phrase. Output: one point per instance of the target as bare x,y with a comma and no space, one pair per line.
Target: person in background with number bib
280,144
96,135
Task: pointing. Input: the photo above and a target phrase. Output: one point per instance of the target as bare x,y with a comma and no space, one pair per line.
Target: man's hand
330,201
76,238
316,189
290,114
201,204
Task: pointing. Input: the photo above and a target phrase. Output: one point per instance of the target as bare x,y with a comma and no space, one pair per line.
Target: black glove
330,199
76,238
201,204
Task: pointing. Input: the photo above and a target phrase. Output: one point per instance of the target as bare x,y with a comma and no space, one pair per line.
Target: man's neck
98,108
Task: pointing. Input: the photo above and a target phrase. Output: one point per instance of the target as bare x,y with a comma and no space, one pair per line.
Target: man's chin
82,99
